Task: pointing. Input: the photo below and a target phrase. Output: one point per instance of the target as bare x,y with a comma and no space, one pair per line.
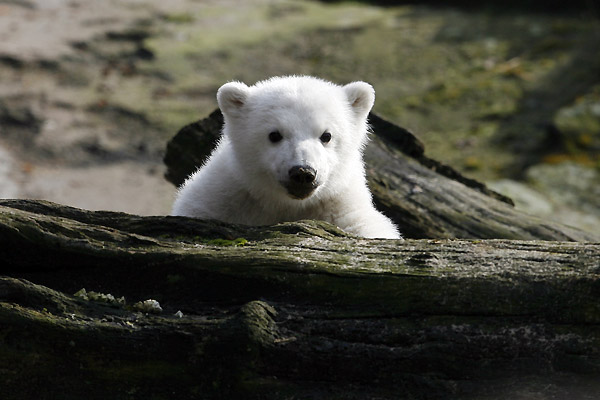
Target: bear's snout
302,181
302,174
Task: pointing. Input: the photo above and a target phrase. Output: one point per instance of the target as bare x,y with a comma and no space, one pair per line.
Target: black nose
302,174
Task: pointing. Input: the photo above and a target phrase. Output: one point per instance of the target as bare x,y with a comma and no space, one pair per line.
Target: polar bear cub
291,149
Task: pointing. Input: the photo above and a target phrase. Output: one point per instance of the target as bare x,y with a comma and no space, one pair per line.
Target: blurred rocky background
507,93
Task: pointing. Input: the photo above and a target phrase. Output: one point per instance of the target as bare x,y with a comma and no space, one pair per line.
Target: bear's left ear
361,97
231,97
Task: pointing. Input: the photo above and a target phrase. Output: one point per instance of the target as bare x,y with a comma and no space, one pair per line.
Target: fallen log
189,309
296,310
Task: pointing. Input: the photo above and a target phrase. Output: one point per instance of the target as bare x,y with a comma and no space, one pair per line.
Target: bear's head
296,138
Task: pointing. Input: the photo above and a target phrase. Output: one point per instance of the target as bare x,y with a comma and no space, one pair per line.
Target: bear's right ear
231,97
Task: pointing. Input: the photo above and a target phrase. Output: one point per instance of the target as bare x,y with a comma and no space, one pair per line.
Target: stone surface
525,198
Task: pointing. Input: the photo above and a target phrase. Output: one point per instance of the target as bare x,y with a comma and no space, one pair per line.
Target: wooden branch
297,310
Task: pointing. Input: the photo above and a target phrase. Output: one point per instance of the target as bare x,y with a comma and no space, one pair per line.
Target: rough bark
424,197
293,311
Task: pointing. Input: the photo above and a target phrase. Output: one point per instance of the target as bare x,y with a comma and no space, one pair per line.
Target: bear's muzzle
302,181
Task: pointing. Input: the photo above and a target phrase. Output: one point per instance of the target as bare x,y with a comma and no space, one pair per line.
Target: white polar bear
291,149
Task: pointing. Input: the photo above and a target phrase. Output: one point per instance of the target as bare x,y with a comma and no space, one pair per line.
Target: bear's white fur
278,124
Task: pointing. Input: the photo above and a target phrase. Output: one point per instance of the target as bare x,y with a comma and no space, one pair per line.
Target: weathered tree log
424,197
300,310
293,311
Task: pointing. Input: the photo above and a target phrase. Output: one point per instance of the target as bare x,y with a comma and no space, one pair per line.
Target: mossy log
301,310
293,311
425,198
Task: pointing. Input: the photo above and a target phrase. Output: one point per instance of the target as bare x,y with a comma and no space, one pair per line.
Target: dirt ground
52,145
90,92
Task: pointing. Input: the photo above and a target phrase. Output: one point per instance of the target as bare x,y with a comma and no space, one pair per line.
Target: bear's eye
325,137
275,136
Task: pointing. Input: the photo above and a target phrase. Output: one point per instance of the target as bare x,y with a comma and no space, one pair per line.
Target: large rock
573,190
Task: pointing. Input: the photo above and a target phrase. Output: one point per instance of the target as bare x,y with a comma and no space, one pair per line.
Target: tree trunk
293,311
